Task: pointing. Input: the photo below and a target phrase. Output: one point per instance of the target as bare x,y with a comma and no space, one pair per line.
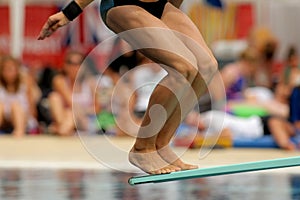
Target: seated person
17,105
45,85
67,101
295,107
242,90
265,43
144,80
114,91
238,76
259,98
276,103
131,92
218,122
290,76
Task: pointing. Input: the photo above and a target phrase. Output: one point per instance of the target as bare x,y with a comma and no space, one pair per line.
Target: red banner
4,29
244,20
84,33
49,50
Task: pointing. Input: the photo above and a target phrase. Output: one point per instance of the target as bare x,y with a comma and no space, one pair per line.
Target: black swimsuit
155,8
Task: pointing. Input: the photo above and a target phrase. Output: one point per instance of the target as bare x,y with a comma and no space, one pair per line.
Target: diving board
216,171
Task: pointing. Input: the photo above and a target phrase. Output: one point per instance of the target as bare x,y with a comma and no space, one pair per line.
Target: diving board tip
216,171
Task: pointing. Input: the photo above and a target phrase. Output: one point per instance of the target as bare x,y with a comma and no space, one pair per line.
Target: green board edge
216,171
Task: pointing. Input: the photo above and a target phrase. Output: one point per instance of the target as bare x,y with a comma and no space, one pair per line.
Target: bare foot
66,130
61,130
150,162
18,133
170,157
289,146
52,128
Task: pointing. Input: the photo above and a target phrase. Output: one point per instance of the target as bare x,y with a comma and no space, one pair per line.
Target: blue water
24,184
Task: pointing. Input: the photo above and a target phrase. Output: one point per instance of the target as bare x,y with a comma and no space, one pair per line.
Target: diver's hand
53,23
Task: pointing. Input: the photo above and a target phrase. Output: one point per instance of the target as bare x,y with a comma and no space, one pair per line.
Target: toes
193,167
155,172
188,167
169,170
166,170
177,168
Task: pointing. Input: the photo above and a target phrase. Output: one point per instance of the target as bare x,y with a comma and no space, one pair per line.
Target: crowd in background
262,93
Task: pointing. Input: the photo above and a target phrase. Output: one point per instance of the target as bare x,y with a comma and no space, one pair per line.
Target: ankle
143,148
161,145
142,144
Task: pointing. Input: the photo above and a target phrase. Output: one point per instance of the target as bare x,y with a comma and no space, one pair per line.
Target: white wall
284,22
282,17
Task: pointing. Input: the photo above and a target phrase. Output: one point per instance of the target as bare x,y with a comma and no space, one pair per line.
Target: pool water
44,184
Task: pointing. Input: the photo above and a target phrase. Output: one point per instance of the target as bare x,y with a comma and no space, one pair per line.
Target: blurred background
65,86
234,21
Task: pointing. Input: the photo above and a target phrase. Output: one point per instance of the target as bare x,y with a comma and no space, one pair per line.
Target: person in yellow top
164,34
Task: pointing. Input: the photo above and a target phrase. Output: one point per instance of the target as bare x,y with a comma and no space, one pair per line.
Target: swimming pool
53,184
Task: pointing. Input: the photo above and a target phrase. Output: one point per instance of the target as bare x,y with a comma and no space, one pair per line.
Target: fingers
52,24
49,27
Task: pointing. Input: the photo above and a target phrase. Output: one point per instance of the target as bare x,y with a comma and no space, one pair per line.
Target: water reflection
295,186
10,184
73,183
104,185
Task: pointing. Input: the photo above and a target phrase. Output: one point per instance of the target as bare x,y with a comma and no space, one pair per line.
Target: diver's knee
208,69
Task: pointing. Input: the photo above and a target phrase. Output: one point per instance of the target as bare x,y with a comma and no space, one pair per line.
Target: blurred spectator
116,81
265,43
239,75
17,103
67,100
261,99
295,107
218,122
290,77
240,80
264,74
45,85
144,79
133,94
122,59
119,97
277,103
